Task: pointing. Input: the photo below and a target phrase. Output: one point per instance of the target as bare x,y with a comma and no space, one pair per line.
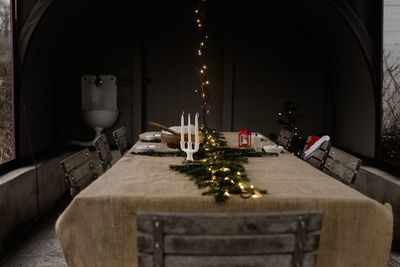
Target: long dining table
98,228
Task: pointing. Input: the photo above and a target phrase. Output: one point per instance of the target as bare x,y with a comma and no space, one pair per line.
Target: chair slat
320,155
121,139
228,245
284,260
199,224
315,162
284,138
345,158
339,171
170,239
75,160
325,146
79,171
103,151
281,260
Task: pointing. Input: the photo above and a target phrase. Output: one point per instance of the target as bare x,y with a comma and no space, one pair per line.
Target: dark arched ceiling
341,40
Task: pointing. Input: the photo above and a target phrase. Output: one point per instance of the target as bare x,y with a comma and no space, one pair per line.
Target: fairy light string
219,169
203,89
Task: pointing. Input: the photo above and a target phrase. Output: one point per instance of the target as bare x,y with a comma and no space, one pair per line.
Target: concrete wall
384,188
24,197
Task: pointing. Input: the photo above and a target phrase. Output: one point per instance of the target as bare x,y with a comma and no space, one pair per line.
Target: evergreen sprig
219,168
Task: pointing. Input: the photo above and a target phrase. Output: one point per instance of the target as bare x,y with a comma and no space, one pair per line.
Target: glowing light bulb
207,82
196,11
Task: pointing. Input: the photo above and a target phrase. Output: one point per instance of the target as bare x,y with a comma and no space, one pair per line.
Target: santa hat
313,145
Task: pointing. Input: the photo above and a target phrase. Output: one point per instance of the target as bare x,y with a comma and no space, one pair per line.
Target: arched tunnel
320,54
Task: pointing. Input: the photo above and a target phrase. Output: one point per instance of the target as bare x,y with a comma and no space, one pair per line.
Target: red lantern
244,138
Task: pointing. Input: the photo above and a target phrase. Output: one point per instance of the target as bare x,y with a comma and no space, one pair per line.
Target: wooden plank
315,162
81,171
211,261
344,158
325,146
339,171
283,260
227,245
121,139
103,151
320,155
75,160
246,224
223,245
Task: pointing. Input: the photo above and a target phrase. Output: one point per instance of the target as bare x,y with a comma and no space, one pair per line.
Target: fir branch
219,169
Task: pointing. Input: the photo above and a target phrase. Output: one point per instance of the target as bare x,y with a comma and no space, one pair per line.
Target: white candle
189,130
196,129
182,125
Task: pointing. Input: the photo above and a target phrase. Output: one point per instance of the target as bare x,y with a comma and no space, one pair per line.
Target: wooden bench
183,239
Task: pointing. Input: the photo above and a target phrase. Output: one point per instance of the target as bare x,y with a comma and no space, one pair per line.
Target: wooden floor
41,248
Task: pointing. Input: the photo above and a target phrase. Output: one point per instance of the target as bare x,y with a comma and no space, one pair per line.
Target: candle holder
189,147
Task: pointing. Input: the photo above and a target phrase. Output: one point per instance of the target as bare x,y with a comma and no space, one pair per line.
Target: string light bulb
200,20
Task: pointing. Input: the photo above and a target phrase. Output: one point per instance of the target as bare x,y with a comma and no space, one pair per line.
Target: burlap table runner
99,226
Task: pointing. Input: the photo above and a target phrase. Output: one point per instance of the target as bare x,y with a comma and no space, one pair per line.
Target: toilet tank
99,92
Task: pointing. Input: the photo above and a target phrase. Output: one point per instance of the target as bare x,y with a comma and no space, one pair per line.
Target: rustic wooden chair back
342,165
320,156
79,171
284,138
103,151
121,139
185,239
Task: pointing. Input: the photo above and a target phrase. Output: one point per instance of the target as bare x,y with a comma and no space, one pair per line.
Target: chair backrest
79,171
284,138
183,239
121,139
342,165
320,156
103,151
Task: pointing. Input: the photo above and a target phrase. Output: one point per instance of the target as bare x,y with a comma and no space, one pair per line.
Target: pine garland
219,168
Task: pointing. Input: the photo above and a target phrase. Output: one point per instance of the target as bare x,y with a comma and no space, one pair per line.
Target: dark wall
260,54
269,65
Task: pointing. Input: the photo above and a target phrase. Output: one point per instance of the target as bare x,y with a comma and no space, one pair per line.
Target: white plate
273,149
145,148
150,136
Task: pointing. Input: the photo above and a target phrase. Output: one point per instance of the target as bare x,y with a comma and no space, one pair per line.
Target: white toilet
99,101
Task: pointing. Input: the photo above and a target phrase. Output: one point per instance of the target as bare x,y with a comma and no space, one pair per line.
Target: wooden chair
103,151
79,171
183,239
121,139
320,156
342,165
284,138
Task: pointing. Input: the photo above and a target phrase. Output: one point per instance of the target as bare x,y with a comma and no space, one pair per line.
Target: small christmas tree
289,118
